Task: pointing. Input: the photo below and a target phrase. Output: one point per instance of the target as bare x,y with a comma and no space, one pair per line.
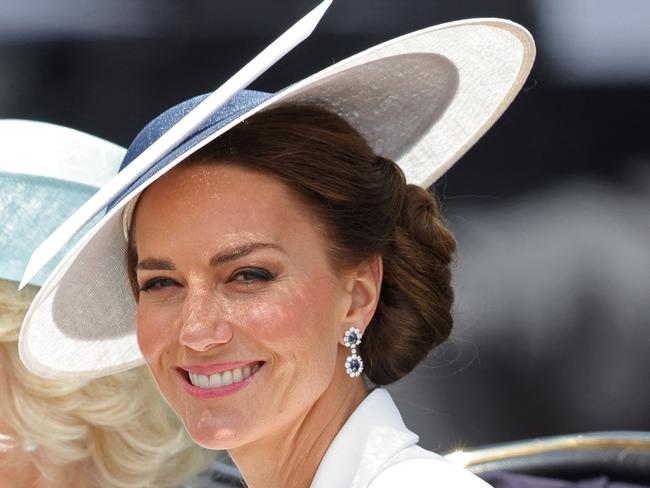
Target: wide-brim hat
46,173
422,99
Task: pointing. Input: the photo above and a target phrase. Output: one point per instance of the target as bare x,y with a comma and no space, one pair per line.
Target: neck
291,456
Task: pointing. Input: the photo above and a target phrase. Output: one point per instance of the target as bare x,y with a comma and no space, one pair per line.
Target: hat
422,99
46,173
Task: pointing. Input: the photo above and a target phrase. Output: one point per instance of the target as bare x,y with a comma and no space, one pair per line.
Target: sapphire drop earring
353,363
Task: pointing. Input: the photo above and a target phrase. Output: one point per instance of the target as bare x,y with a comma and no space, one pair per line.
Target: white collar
374,433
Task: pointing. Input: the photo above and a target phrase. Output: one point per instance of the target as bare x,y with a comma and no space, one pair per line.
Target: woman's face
237,291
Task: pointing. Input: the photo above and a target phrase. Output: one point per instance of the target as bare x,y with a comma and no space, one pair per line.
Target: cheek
156,333
301,324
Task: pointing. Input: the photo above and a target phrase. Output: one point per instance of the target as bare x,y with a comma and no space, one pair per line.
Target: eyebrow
155,264
240,251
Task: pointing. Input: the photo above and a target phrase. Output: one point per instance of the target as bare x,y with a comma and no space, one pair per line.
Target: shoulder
421,472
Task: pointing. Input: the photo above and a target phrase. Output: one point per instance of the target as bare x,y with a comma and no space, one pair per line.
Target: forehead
220,202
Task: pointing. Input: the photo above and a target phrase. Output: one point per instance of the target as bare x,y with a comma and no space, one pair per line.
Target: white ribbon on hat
174,136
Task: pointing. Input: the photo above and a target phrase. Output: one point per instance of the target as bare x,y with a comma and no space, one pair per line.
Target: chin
215,437
218,442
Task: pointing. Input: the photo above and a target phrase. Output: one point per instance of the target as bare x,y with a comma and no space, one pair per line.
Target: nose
204,323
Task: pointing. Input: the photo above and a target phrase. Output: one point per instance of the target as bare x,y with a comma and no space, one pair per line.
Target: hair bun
421,220
414,311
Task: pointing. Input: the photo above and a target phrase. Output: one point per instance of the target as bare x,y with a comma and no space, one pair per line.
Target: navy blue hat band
238,105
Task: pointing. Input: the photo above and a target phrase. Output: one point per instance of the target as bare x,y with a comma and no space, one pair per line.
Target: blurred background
551,208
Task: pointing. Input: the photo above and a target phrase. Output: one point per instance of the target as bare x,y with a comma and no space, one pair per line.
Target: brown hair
366,209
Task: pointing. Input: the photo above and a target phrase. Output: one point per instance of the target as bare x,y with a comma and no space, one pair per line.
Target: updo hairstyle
366,209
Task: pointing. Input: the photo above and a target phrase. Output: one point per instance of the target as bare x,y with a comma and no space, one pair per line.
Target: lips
219,375
210,382
224,378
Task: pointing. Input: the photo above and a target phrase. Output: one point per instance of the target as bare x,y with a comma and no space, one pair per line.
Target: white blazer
374,449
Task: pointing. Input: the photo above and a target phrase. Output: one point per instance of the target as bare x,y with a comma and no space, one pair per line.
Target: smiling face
236,287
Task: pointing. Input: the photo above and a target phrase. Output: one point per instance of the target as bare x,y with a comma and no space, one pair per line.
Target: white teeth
237,375
224,378
215,380
203,381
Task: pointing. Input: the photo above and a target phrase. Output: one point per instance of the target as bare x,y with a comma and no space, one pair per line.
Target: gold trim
470,458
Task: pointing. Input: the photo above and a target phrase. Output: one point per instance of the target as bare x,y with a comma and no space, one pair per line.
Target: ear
364,286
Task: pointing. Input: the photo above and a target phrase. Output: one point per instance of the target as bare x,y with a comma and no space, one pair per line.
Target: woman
280,267
108,432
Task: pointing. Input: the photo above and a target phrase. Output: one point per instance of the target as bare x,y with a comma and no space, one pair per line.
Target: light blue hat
46,173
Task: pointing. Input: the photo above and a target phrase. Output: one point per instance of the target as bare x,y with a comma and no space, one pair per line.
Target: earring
353,363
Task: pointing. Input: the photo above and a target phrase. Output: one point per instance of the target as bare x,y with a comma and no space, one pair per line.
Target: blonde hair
117,426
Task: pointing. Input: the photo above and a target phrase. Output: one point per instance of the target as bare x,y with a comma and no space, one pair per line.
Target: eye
251,275
156,284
